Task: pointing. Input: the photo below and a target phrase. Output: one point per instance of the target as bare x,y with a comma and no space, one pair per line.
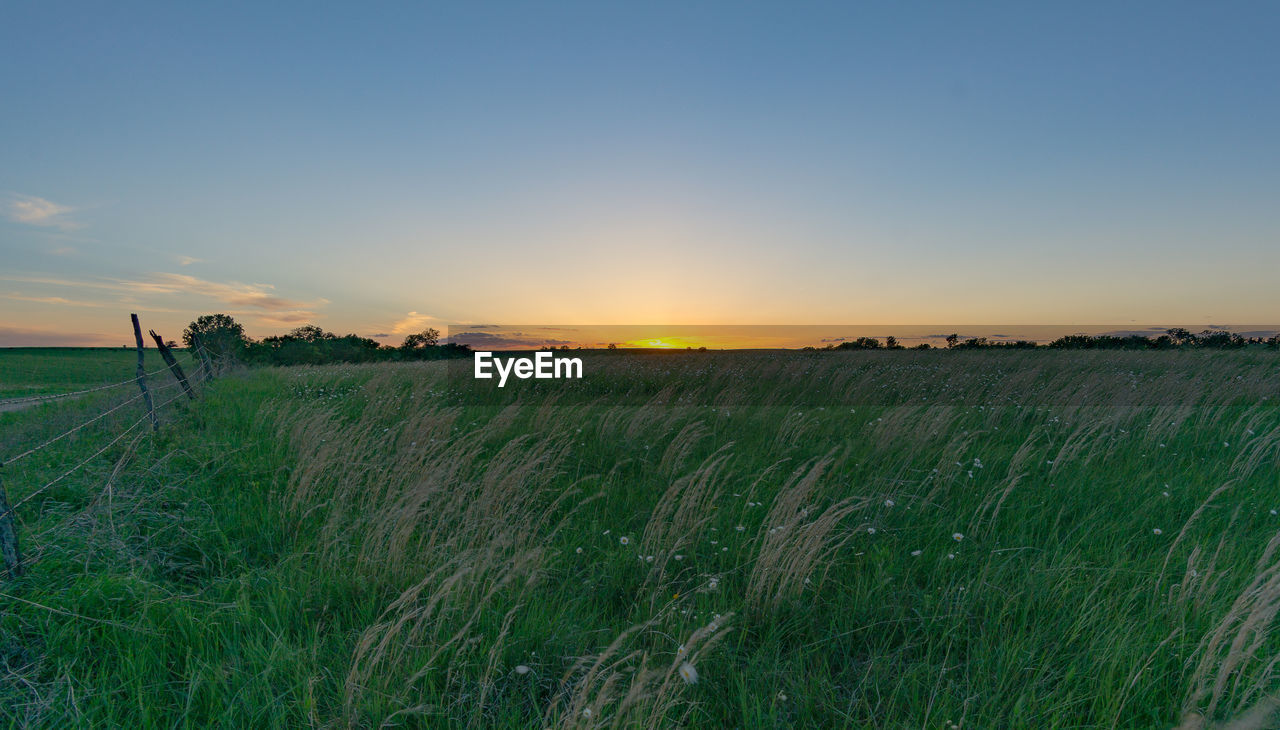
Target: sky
379,168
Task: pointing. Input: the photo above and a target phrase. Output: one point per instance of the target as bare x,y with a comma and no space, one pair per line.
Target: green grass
365,545
28,371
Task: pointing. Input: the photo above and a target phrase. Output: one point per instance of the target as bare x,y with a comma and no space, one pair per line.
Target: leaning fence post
9,551
172,363
142,375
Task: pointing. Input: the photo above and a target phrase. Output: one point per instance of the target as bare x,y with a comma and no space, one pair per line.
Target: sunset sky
380,168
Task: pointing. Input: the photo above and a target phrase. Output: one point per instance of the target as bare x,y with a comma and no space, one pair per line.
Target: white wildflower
688,673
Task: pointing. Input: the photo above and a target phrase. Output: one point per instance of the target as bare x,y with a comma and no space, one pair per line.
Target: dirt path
7,407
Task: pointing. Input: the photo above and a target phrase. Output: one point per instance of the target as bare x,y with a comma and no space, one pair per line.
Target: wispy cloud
19,297
255,296
189,260
19,337
413,322
253,300
296,316
505,341
108,284
35,211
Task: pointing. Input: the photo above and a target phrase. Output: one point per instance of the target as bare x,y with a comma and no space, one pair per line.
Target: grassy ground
368,546
27,371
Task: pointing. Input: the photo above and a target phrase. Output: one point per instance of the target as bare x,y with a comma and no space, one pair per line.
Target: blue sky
377,168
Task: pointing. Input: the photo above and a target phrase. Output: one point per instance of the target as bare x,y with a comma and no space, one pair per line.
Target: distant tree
613,345
220,335
430,337
1181,336
891,342
310,333
952,339
1218,338
862,343
171,344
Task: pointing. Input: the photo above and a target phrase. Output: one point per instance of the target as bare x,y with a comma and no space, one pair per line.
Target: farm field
36,371
894,540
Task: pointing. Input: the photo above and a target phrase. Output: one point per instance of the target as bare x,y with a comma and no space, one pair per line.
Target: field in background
368,546
31,371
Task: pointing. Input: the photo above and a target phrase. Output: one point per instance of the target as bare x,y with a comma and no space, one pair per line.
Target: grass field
30,371
929,540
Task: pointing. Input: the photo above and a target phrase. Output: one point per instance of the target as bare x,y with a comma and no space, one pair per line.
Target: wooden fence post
172,363
142,375
9,551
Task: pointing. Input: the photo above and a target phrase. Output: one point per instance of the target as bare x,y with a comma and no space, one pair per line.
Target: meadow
38,371
939,539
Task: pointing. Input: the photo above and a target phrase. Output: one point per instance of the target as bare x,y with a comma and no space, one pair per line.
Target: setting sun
662,343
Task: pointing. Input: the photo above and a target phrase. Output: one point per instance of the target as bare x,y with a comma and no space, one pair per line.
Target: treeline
223,337
1171,339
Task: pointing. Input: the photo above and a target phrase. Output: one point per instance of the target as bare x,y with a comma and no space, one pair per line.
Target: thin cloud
19,297
189,260
19,337
256,299
90,283
34,211
300,316
256,296
508,341
413,322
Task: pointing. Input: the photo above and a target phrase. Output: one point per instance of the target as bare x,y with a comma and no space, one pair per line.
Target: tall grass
1029,544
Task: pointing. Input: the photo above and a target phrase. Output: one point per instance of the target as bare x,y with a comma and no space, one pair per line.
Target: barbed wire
70,431
96,418
96,454
34,398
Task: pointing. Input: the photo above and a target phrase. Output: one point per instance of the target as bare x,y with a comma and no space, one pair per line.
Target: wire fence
99,452
10,555
57,396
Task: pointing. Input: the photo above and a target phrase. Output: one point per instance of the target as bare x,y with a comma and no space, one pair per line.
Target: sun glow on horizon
662,343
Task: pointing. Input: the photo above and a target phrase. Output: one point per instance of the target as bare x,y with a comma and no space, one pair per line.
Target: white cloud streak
34,211
413,322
